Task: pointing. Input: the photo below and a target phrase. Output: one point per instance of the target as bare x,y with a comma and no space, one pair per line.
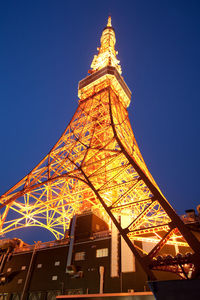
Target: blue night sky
47,48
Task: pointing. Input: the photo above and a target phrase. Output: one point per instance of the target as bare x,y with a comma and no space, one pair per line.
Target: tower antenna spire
107,55
109,22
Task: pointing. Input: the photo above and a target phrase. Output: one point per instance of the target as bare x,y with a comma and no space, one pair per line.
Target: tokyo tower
97,166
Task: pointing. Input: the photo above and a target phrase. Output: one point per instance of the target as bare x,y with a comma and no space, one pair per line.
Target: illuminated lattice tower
96,165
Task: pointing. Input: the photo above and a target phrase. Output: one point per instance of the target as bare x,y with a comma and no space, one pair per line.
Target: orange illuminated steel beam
96,165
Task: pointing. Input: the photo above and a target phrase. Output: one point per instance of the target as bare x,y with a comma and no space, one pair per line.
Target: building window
57,263
102,252
3,279
15,297
19,281
39,266
34,295
23,268
4,296
9,269
52,294
55,277
79,256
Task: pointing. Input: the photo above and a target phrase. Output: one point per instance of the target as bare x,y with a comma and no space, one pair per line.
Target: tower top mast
107,55
109,22
105,70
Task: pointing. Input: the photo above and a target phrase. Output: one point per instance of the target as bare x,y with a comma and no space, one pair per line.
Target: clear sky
46,48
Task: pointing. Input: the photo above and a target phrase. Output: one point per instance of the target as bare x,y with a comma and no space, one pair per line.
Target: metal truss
97,165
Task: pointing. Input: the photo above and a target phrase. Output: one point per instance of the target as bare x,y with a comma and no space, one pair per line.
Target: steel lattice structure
97,165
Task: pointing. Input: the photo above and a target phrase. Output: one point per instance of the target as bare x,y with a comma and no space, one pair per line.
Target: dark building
91,259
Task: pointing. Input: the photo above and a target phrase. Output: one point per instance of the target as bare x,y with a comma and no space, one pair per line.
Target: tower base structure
91,259
91,262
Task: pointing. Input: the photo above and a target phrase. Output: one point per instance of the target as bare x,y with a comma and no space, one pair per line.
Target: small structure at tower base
115,296
176,289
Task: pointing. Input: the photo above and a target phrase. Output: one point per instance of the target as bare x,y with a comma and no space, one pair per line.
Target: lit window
39,266
57,263
102,252
55,277
79,256
23,268
9,269
19,281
